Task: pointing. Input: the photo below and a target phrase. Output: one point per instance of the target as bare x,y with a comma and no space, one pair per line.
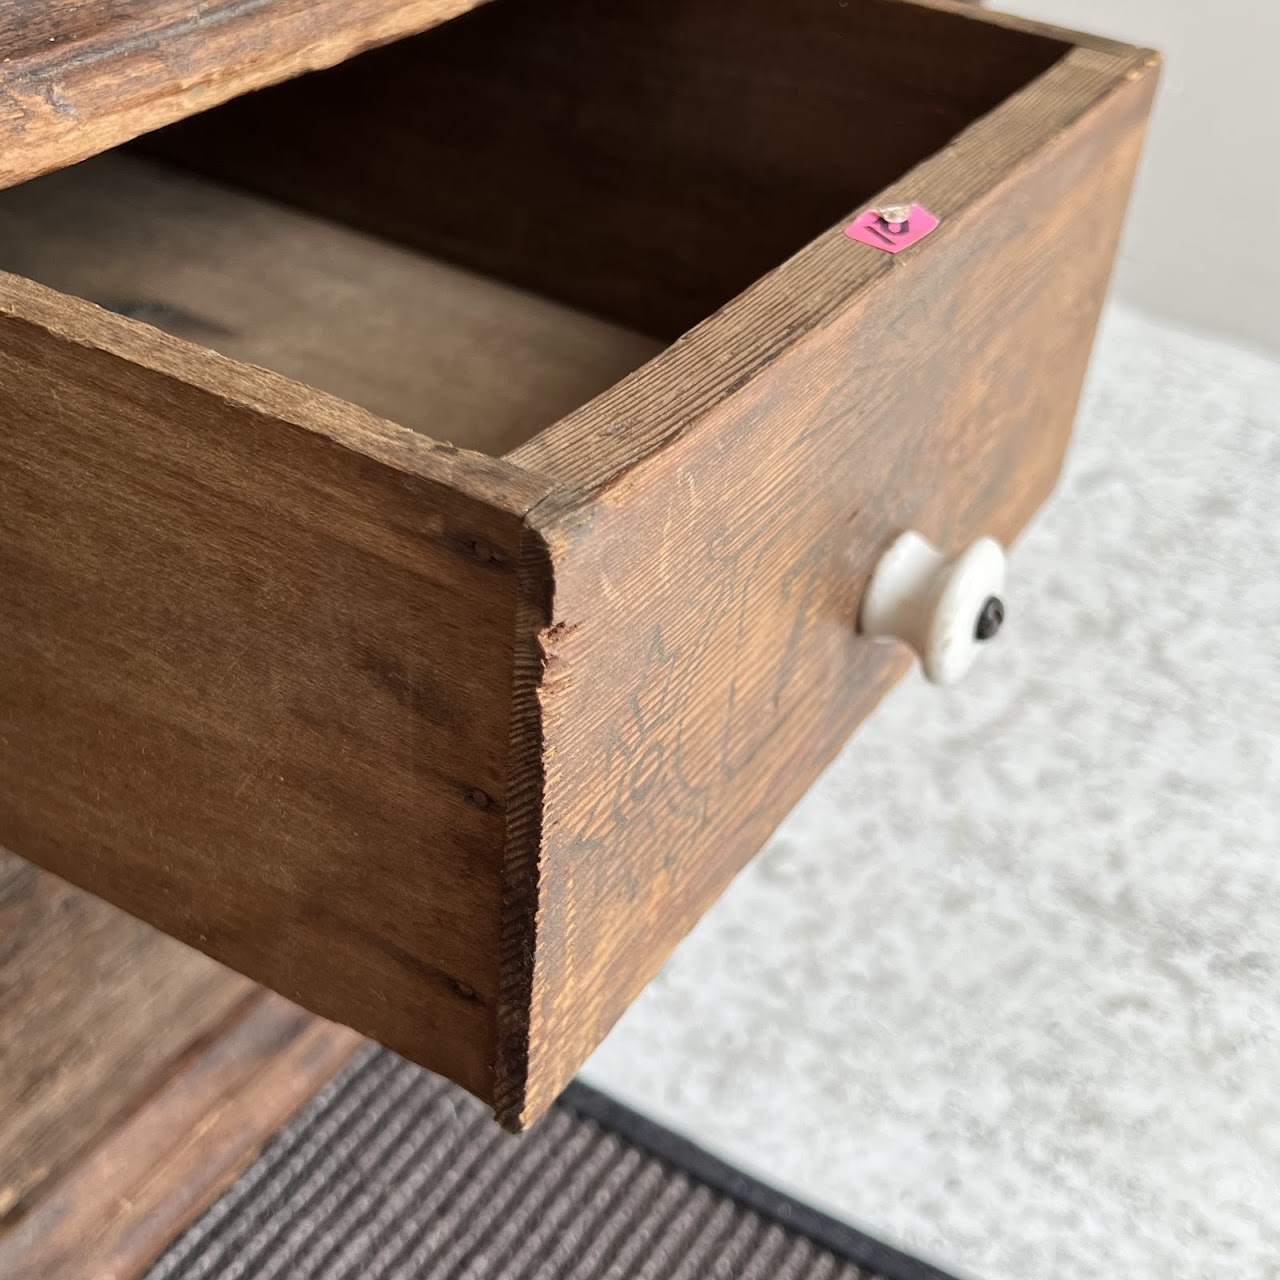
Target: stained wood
722,510
640,160
137,1078
455,749
77,78
257,677
91,1015
460,357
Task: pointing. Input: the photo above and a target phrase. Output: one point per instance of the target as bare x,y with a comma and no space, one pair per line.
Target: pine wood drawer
447,715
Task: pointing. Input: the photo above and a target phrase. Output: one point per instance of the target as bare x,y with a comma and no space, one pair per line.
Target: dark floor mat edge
824,1231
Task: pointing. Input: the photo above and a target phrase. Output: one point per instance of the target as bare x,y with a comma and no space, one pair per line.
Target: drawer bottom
459,356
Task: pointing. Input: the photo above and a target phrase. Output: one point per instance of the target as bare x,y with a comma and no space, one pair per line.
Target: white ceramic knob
945,610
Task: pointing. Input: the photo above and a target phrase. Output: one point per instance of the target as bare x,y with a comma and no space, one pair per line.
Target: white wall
1215,140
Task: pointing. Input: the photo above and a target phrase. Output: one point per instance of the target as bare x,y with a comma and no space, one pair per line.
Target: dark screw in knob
991,619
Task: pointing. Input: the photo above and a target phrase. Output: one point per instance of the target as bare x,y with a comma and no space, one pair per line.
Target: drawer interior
455,354
474,231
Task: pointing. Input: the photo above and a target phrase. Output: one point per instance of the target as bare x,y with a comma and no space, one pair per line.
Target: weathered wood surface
80,76
93,1007
458,356
721,512
137,1078
455,749
257,670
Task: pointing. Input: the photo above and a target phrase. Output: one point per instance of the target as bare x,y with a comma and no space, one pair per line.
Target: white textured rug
1006,986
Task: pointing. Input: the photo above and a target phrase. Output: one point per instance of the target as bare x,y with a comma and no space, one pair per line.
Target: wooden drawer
452,742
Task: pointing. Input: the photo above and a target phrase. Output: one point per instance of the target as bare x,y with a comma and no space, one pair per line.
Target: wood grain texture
116,1212
78,78
137,1078
258,669
455,749
642,161
94,1007
721,511
457,356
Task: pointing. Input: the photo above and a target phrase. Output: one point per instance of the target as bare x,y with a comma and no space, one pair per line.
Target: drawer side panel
255,685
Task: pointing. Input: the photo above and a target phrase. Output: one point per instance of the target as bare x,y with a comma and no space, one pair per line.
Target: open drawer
450,730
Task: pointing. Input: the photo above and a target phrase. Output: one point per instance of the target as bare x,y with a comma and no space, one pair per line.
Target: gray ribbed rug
394,1174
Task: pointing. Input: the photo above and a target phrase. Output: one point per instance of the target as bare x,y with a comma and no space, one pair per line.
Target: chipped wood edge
522,854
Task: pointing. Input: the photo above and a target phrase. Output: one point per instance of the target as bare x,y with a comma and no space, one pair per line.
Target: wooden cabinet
435,618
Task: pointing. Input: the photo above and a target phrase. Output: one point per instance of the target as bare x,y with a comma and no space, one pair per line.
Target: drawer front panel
701,663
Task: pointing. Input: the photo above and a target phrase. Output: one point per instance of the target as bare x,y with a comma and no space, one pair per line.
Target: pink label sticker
892,236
